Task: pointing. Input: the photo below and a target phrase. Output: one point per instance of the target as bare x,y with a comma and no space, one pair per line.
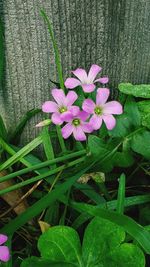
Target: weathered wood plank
114,34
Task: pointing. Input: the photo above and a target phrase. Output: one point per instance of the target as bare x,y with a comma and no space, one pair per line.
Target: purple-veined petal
87,127
56,119
102,96
49,107
78,133
59,96
82,115
71,98
112,107
4,254
96,122
67,130
71,83
3,239
81,75
109,121
102,80
88,88
88,106
74,110
94,70
66,116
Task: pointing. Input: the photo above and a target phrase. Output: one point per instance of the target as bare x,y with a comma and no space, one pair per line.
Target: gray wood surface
112,33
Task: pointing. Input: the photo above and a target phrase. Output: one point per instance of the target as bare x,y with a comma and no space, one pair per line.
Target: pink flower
102,111
84,80
63,106
77,126
4,251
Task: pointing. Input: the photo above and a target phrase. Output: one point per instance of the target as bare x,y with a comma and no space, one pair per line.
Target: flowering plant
77,121
4,251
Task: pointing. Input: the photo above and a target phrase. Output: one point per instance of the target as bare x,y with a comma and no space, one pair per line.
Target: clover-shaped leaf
61,244
102,246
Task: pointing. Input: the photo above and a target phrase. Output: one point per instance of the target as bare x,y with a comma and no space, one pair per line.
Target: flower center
76,122
62,109
98,111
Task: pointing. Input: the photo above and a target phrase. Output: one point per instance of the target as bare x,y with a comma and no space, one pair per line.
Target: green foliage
144,107
102,246
141,90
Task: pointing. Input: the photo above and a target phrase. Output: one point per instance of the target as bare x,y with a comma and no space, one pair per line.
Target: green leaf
99,238
21,153
39,262
144,107
121,194
111,205
128,121
56,51
62,245
129,225
127,255
140,143
3,131
42,204
141,90
14,137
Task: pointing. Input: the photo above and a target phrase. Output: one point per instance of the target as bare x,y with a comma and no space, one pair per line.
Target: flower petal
88,88
83,115
112,107
88,106
67,130
3,239
59,96
102,80
74,110
49,107
94,70
56,119
78,133
96,122
71,83
102,96
87,128
66,116
109,121
4,254
71,98
81,75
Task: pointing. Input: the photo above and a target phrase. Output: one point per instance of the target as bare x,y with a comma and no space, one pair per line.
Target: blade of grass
40,177
141,235
43,164
56,51
121,194
42,204
48,148
59,69
21,153
3,131
111,205
14,137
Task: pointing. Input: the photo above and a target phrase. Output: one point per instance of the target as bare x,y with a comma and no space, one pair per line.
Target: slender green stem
121,194
40,177
61,140
43,164
56,51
